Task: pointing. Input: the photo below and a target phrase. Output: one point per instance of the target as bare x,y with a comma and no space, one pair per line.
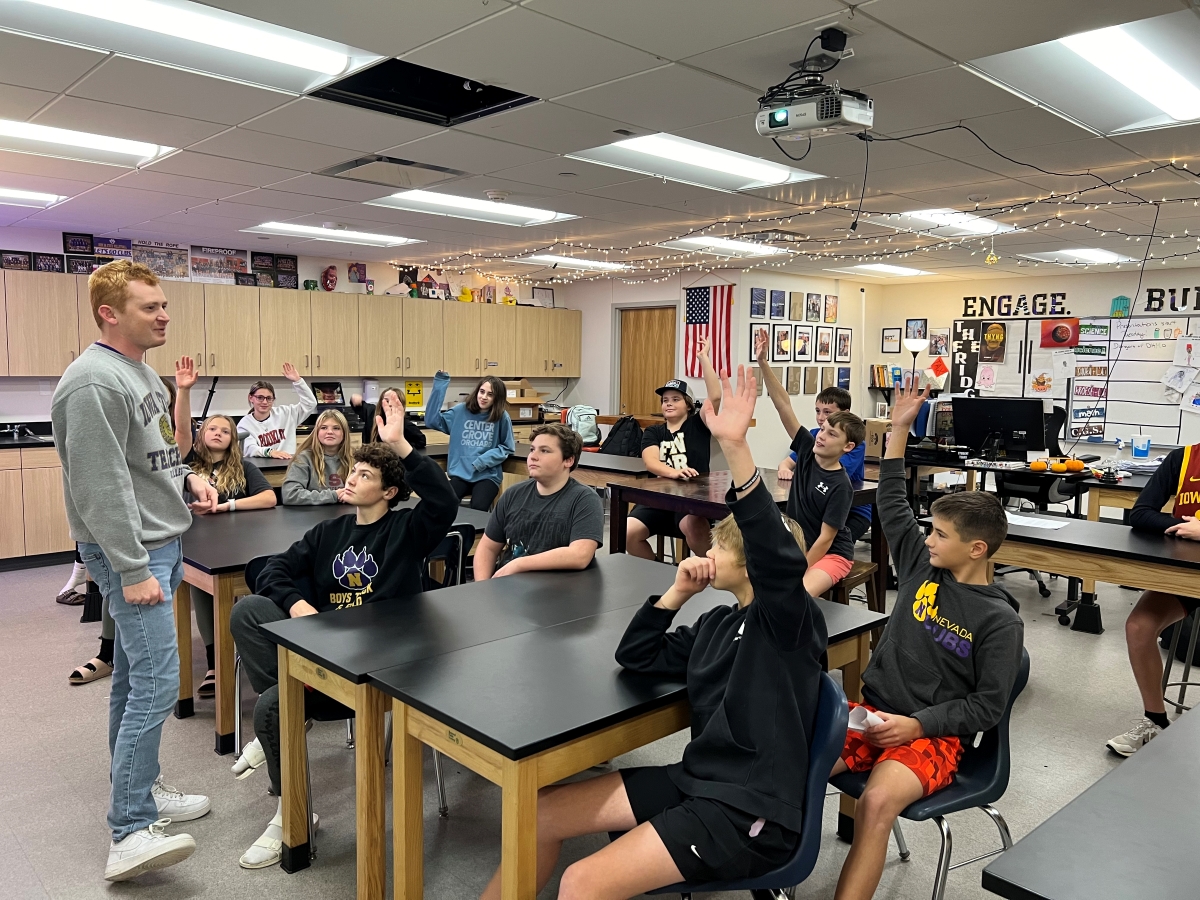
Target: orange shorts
933,760
836,567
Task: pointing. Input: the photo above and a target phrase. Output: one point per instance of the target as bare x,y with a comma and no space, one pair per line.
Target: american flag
709,311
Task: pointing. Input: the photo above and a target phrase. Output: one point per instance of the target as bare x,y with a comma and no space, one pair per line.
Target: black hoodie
752,675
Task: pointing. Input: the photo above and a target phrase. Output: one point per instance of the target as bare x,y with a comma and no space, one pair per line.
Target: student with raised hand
317,475
733,807
550,521
271,430
481,437
946,663
366,412
679,448
376,555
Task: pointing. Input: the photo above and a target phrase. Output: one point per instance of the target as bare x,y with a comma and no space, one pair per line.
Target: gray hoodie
950,652
300,487
122,474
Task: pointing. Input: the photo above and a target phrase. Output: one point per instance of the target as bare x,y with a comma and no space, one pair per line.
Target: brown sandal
93,670
70,597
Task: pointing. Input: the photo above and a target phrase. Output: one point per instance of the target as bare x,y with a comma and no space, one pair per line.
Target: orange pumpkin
1038,465
1075,465
1058,467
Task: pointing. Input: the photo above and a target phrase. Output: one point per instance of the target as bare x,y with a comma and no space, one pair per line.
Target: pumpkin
1038,465
1075,465
1058,467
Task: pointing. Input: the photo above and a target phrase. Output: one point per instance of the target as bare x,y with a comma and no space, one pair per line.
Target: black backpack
624,439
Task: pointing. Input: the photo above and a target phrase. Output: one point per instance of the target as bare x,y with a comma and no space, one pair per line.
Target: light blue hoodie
478,447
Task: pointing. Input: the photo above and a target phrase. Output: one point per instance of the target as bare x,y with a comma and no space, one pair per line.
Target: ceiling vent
403,174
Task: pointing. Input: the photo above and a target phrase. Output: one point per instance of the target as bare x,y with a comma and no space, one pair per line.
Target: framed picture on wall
796,306
810,379
812,307
939,341
891,340
781,343
777,371
48,262
542,296
828,377
843,377
794,379
778,304
916,329
802,344
758,303
824,344
757,331
16,259
841,348
831,305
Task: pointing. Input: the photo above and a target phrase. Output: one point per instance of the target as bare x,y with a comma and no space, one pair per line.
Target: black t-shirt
687,448
820,496
256,481
527,522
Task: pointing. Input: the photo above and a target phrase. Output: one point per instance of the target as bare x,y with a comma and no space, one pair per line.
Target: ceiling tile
665,99
45,65
339,125
334,188
274,199
126,122
1181,142
125,204
216,168
48,167
932,98
467,152
153,180
20,103
524,51
271,149
548,126
567,174
651,191
166,90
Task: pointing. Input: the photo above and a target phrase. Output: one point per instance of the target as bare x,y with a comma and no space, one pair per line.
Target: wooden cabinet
46,529
460,340
89,331
533,342
231,330
185,333
12,514
285,331
43,322
566,343
422,337
498,340
334,334
3,333
380,336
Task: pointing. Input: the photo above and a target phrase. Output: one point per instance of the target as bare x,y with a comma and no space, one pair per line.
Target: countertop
8,442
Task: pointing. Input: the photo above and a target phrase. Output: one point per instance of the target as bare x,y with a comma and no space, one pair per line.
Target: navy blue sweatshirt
752,672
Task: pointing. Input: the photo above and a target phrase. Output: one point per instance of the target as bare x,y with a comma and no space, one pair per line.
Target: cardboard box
519,389
875,441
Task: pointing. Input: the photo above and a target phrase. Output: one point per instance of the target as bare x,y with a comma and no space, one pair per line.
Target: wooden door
43,322
498,340
285,329
231,330
533,342
647,357
334,334
89,331
381,336
12,513
460,340
422,337
185,333
566,343
43,504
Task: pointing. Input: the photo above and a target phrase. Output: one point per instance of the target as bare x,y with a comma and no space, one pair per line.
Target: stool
1187,665
681,549
861,573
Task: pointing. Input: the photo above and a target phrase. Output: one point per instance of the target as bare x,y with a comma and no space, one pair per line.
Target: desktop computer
999,428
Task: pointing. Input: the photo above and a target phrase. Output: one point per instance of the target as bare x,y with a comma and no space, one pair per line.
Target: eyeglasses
262,398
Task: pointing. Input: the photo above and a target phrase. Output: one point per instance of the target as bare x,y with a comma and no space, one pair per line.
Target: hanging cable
866,169
788,155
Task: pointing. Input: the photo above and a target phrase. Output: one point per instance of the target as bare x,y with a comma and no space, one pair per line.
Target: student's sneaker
1134,739
268,849
176,805
252,758
146,850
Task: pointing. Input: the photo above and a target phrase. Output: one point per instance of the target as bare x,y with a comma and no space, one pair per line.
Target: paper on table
1030,522
862,718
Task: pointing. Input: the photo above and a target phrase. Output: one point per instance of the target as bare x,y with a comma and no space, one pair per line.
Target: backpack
624,439
582,419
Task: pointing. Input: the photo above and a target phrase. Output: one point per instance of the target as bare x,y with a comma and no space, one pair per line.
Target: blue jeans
145,683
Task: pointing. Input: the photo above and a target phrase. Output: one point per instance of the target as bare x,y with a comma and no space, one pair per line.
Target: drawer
10,459
40,458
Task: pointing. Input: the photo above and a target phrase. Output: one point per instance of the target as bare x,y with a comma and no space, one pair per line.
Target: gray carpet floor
54,781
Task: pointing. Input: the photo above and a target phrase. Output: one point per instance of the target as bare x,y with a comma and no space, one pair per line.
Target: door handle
200,358
397,362
212,359
72,352
306,360
477,362
318,360
408,362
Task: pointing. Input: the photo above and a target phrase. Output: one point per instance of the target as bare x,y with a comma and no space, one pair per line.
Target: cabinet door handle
200,358
397,362
408,362
212,359
477,362
306,360
318,360
72,352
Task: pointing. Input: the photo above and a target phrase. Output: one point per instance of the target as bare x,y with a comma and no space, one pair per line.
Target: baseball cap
676,384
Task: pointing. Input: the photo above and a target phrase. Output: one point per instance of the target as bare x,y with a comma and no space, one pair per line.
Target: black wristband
749,483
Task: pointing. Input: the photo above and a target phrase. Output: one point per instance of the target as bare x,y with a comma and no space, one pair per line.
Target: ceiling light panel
725,247
1131,77
1083,256
471,208
940,223
62,143
336,235
14,197
191,36
691,162
571,262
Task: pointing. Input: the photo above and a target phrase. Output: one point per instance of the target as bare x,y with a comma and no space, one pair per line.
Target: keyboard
1004,465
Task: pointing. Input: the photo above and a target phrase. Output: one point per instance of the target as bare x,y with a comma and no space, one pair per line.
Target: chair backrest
453,551
828,739
1054,426
989,763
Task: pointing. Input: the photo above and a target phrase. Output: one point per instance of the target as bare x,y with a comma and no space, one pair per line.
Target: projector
827,110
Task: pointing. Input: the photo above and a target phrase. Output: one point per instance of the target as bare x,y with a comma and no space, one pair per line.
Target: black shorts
708,840
659,521
858,525
1190,604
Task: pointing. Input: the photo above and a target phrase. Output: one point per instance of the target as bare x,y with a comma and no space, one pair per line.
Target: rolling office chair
828,738
981,780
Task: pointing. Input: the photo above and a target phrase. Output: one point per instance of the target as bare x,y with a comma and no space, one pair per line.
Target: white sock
78,577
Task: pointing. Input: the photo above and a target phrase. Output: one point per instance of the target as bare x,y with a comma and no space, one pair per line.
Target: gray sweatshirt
300,487
950,652
122,474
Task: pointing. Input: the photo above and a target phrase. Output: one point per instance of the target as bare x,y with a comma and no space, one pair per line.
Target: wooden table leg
293,768
369,788
1093,514
185,705
971,479
518,839
223,651
852,685
408,814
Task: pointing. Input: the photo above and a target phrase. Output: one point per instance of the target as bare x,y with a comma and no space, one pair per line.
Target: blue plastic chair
981,780
828,738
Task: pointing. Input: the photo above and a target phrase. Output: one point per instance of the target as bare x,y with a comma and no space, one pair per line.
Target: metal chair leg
900,844
387,739
1187,663
350,734
943,867
443,806
1001,826
237,703
1166,679
308,811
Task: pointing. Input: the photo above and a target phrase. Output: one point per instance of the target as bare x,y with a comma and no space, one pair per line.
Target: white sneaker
268,849
176,805
1134,739
146,850
252,758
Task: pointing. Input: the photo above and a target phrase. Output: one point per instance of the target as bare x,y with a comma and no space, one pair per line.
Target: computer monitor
1011,426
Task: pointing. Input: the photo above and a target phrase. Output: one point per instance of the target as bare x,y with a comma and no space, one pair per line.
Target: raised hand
732,420
389,424
290,373
762,345
705,347
907,403
185,373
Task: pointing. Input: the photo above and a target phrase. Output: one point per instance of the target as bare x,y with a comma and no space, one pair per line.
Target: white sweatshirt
278,430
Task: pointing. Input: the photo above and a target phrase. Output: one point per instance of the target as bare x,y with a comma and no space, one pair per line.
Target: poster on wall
802,344
262,262
995,340
78,244
831,309
810,379
843,377
891,340
167,261
108,249
781,343
758,303
812,307
964,355
759,333
218,265
356,273
939,341
828,377
48,262
796,306
916,329
81,265
794,379
842,343
1060,333
19,260
778,304
824,344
